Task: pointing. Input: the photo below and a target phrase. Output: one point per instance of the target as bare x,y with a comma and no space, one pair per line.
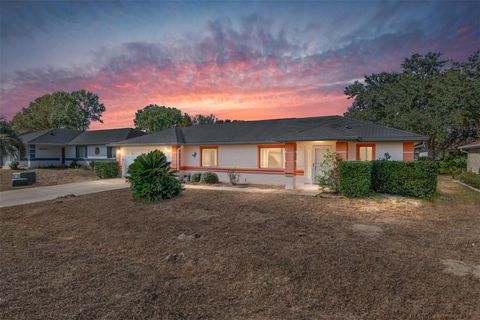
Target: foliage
428,97
75,110
14,164
406,178
233,176
74,164
470,178
10,143
329,176
204,119
152,179
453,163
355,178
209,177
196,177
153,118
108,169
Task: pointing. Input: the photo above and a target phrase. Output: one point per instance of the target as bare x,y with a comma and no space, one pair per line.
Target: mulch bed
224,255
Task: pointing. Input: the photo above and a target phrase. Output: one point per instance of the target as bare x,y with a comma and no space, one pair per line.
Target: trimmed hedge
195,178
107,169
411,179
209,178
470,178
355,178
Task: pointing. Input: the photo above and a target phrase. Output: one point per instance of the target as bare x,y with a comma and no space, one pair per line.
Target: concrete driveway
24,196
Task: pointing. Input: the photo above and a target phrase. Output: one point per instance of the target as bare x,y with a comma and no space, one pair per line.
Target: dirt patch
460,268
48,177
367,230
259,256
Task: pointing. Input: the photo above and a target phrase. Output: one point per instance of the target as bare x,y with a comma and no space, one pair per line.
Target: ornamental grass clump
152,179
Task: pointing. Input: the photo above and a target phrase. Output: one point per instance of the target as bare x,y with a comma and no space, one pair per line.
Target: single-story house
284,152
473,158
59,147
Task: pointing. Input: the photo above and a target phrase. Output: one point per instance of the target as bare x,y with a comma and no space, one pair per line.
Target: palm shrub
151,178
10,143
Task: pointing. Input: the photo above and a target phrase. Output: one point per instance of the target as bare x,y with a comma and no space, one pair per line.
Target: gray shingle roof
105,136
277,130
50,136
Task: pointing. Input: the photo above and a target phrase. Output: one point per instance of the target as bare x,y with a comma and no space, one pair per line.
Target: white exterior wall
473,161
305,158
45,156
395,149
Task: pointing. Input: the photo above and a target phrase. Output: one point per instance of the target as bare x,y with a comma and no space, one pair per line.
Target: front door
318,153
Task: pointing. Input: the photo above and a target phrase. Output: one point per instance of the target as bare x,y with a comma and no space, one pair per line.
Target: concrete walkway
36,194
303,192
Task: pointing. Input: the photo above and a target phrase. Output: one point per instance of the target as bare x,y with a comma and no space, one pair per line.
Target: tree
10,143
75,110
427,97
153,118
204,119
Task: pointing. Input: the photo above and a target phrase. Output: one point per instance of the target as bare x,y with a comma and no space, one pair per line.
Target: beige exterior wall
473,162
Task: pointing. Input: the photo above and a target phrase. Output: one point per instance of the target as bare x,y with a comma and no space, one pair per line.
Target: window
365,152
111,152
81,152
31,151
208,156
272,157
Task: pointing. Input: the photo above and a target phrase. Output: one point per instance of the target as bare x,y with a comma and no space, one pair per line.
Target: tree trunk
431,149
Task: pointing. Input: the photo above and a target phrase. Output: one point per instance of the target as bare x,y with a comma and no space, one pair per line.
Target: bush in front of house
152,179
14,164
355,178
329,175
453,163
106,170
209,178
470,178
195,178
406,178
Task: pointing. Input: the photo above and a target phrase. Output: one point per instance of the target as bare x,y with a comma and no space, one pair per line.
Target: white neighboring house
285,152
60,147
473,158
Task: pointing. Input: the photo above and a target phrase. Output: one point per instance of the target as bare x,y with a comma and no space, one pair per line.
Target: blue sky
236,59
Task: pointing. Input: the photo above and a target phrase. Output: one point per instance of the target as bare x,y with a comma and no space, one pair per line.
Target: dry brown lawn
48,177
242,256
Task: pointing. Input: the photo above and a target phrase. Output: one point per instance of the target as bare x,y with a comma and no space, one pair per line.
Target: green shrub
151,178
406,178
329,178
107,169
195,178
14,164
355,178
209,178
453,163
470,178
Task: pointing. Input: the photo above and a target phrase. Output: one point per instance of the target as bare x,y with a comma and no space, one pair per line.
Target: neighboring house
92,145
473,159
59,147
279,152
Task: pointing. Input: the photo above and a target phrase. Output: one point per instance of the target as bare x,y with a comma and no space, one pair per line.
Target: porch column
290,164
174,162
341,149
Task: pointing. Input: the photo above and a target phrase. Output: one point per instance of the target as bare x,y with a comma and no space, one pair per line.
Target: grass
252,256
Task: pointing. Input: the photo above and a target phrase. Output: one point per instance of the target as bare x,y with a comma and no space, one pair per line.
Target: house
60,147
473,158
277,152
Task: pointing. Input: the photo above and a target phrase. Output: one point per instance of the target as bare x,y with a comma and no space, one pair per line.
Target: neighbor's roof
474,145
105,136
50,136
274,131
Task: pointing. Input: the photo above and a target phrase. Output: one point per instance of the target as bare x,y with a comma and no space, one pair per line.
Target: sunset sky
238,60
